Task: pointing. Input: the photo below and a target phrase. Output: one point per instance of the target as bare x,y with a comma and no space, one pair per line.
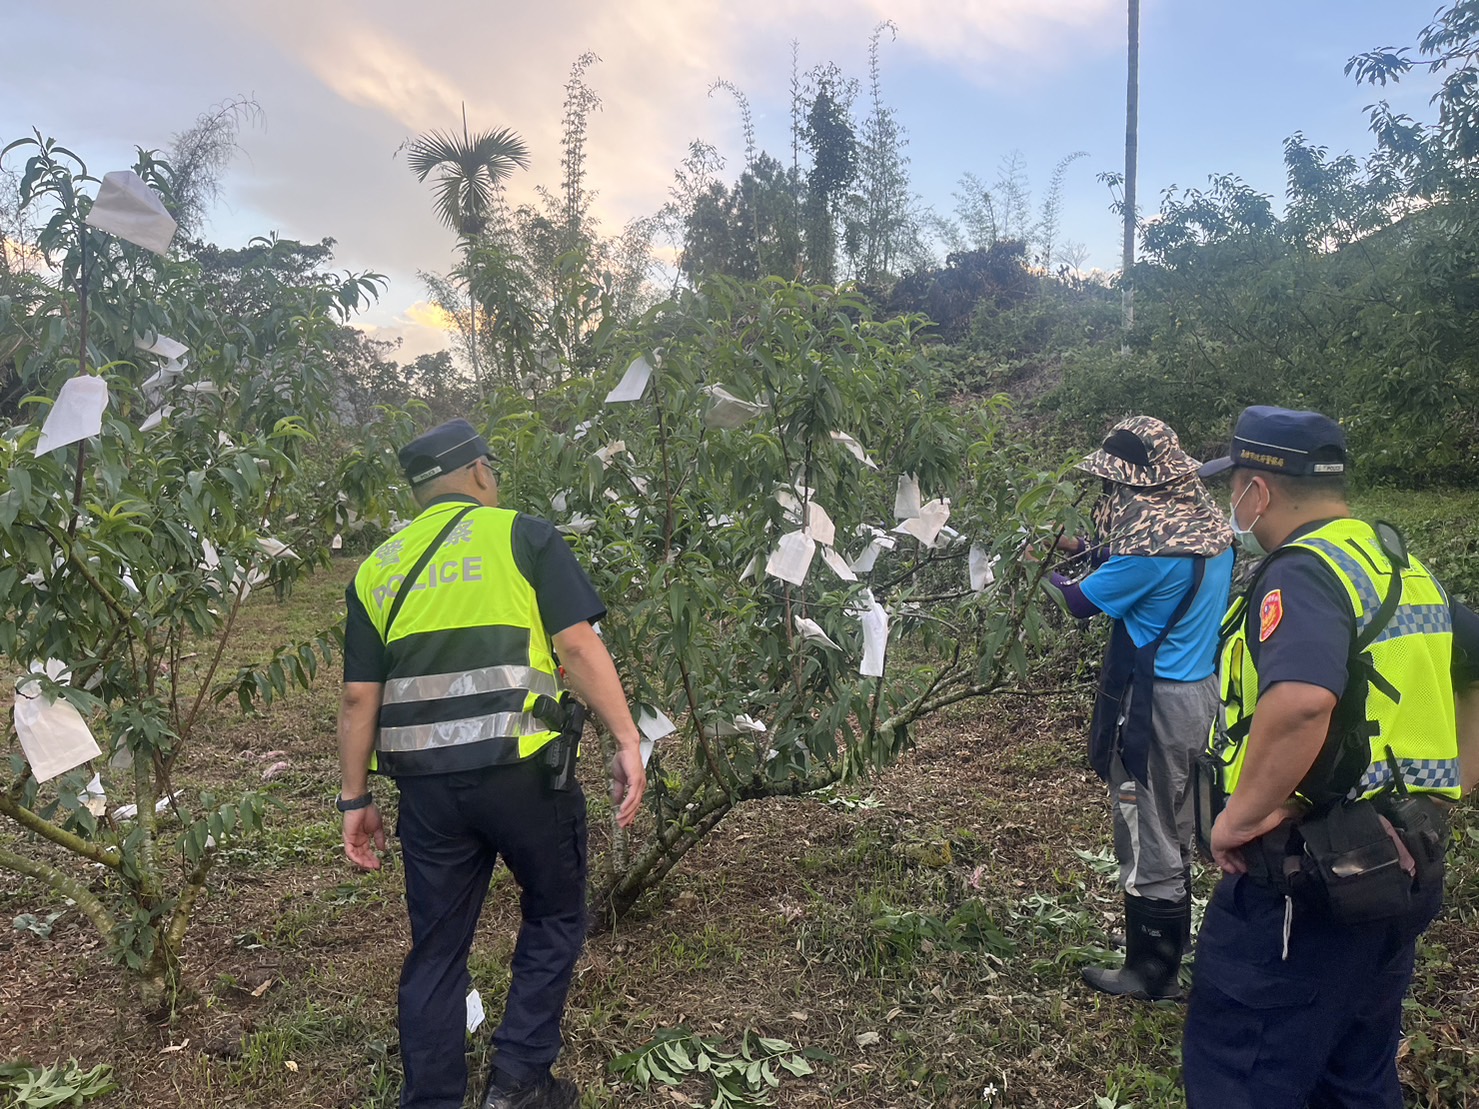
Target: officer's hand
1228,836
360,827
628,783
1225,847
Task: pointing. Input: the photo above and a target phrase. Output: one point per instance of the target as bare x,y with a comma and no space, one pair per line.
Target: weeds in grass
275,1050
878,939
741,1079
37,925
28,1087
1444,1066
384,1080
352,893
1048,918
1101,862
1147,1086
285,845
847,802
707,949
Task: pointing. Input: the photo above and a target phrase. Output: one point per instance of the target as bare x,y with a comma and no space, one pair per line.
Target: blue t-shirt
1144,592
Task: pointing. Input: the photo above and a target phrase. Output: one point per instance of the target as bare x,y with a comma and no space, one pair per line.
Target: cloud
344,82
993,38
22,257
658,60
420,328
369,68
426,314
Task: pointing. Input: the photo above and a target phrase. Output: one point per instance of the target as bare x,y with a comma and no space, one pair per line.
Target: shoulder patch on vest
1270,613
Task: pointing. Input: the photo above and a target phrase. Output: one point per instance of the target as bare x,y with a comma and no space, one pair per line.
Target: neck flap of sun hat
1154,503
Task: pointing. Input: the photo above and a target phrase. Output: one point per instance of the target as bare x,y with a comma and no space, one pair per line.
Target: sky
342,83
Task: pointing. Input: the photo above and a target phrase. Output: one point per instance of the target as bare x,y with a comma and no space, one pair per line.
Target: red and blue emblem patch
1270,613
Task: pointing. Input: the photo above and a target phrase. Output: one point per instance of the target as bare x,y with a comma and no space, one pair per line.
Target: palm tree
469,169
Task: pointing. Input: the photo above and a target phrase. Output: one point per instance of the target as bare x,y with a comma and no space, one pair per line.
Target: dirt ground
924,930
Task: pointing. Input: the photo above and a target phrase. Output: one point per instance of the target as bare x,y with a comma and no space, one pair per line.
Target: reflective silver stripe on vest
463,683
454,733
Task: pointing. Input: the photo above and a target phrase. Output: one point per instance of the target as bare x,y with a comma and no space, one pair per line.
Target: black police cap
441,450
1283,441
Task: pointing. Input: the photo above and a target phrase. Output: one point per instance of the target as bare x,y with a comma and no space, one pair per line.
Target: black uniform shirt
1301,625
561,588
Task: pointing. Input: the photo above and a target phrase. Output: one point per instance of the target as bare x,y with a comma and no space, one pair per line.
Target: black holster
1208,798
560,754
1275,859
1423,824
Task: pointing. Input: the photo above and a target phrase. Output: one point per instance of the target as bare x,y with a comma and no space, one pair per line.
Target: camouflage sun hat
1142,452
1176,519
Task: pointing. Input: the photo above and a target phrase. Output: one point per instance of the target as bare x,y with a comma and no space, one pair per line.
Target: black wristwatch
362,802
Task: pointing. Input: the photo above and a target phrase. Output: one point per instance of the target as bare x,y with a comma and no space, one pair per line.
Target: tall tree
747,121
1132,141
880,222
834,166
580,101
469,169
745,230
199,155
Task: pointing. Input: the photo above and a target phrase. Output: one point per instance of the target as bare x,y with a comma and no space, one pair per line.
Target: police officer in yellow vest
458,629
1328,778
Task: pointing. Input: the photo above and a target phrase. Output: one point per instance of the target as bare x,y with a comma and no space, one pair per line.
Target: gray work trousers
1153,822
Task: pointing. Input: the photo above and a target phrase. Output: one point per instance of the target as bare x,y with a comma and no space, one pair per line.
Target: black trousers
1318,1030
453,829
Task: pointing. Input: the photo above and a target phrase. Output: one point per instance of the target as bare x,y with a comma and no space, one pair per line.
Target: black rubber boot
1153,934
1187,939
1116,940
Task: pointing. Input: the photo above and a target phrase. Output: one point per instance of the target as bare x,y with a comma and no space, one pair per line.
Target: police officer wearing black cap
1349,683
462,630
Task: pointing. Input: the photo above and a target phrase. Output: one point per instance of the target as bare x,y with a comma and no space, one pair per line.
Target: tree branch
87,903
59,836
180,919
210,673
68,547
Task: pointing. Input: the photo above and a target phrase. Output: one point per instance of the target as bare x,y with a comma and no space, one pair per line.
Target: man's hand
1289,729
1225,847
1228,838
360,827
359,711
628,783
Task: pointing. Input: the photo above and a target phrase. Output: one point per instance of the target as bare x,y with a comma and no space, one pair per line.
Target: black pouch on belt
1421,822
1424,828
1352,863
1208,798
560,753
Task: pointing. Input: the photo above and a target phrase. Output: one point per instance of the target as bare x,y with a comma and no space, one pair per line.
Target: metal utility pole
1132,128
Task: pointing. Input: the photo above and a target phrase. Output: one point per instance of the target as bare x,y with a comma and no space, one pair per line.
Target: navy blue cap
1283,441
441,450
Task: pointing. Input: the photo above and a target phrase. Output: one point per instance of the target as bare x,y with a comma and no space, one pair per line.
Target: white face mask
1244,536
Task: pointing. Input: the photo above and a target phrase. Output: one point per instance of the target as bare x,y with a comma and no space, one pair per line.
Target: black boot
1116,940
1153,936
1186,937
546,1092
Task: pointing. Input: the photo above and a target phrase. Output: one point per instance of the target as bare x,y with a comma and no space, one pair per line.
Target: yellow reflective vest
1400,692
468,660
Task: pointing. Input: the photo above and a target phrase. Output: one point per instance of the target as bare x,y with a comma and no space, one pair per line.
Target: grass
926,929
1439,527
